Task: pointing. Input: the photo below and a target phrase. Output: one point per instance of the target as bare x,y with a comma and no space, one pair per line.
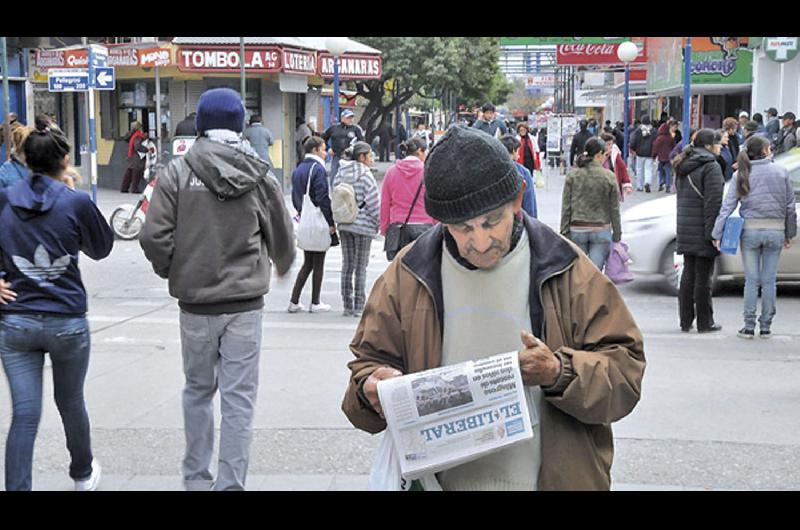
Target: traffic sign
104,78
68,80
99,55
781,49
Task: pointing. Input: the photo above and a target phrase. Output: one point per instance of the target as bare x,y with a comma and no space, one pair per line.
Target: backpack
343,203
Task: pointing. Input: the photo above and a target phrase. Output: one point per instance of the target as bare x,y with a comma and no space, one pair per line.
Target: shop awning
710,89
311,43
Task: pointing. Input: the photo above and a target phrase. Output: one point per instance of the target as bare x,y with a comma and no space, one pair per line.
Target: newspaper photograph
447,416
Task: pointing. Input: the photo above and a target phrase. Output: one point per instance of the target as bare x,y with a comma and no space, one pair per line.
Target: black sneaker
764,333
647,188
746,333
686,329
715,327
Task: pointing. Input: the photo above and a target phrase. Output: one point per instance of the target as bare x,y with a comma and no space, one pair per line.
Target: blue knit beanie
220,108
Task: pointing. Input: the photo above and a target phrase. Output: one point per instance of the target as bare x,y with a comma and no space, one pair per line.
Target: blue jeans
665,175
596,245
761,250
24,339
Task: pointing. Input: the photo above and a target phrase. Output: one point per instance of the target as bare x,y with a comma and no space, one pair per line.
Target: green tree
458,69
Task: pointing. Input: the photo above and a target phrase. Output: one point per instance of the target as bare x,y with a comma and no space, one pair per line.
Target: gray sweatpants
219,352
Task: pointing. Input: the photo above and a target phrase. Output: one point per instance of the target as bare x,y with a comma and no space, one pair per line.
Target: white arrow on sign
104,78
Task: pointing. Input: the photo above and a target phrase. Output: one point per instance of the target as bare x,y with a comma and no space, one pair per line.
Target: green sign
729,68
780,49
541,41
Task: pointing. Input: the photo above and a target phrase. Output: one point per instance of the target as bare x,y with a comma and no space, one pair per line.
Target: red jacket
620,170
521,158
663,144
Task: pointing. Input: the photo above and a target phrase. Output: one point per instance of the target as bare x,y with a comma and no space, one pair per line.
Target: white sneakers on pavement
320,307
296,308
90,483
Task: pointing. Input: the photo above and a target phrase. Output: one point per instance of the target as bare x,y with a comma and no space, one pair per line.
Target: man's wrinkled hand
538,364
371,386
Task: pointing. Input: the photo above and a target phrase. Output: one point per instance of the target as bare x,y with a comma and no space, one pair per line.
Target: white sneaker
90,484
320,307
296,308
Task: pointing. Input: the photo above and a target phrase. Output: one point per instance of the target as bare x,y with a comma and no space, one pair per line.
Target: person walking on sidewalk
137,153
341,136
662,147
699,182
312,167
579,141
14,169
615,163
46,225
529,150
356,237
489,122
260,138
401,185
764,192
787,136
216,220
641,144
590,204
529,206
487,280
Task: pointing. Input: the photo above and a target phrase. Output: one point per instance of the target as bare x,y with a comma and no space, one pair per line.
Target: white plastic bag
385,474
313,233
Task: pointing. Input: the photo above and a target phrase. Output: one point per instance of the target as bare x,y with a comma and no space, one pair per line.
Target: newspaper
447,416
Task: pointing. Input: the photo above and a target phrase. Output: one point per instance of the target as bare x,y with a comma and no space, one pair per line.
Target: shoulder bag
401,234
313,233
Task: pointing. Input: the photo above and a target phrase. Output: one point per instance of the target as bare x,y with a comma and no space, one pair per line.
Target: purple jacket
664,143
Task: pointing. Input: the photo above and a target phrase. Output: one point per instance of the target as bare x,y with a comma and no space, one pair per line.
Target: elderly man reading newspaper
489,279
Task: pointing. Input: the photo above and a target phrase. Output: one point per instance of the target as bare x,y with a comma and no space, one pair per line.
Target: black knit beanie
468,173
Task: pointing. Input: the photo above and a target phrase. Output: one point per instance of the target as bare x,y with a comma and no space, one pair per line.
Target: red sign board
116,57
299,62
226,59
352,66
593,54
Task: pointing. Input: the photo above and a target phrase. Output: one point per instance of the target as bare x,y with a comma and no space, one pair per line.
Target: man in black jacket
641,145
187,127
579,141
341,136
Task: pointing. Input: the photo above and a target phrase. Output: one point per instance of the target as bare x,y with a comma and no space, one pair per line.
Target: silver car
649,229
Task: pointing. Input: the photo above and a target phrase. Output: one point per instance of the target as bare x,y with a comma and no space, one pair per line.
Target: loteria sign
589,53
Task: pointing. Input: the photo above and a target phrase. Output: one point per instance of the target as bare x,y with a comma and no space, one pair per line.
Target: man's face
484,240
743,120
488,115
788,122
348,120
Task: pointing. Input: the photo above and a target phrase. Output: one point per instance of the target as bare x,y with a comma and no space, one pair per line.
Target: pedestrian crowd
218,223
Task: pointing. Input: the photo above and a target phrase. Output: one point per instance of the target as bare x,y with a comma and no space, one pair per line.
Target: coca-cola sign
593,54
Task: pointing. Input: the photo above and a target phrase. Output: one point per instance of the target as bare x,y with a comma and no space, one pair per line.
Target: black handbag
401,234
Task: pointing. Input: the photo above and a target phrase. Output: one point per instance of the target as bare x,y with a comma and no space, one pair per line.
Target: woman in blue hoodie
46,224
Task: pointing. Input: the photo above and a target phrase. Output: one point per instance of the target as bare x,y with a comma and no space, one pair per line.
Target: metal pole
92,125
335,89
687,90
396,122
242,83
6,95
158,113
627,110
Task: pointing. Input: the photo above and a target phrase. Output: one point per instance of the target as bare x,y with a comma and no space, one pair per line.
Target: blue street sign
99,56
104,78
68,80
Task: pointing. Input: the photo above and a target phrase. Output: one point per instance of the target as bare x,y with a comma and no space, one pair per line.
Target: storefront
722,77
284,78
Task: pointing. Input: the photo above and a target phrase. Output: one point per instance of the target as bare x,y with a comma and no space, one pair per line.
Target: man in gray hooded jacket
216,219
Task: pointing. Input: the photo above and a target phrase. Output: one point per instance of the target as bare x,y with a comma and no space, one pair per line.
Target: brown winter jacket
576,310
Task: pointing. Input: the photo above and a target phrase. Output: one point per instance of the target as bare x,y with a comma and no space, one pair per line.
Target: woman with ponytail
590,204
699,183
46,224
14,168
765,196
403,191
